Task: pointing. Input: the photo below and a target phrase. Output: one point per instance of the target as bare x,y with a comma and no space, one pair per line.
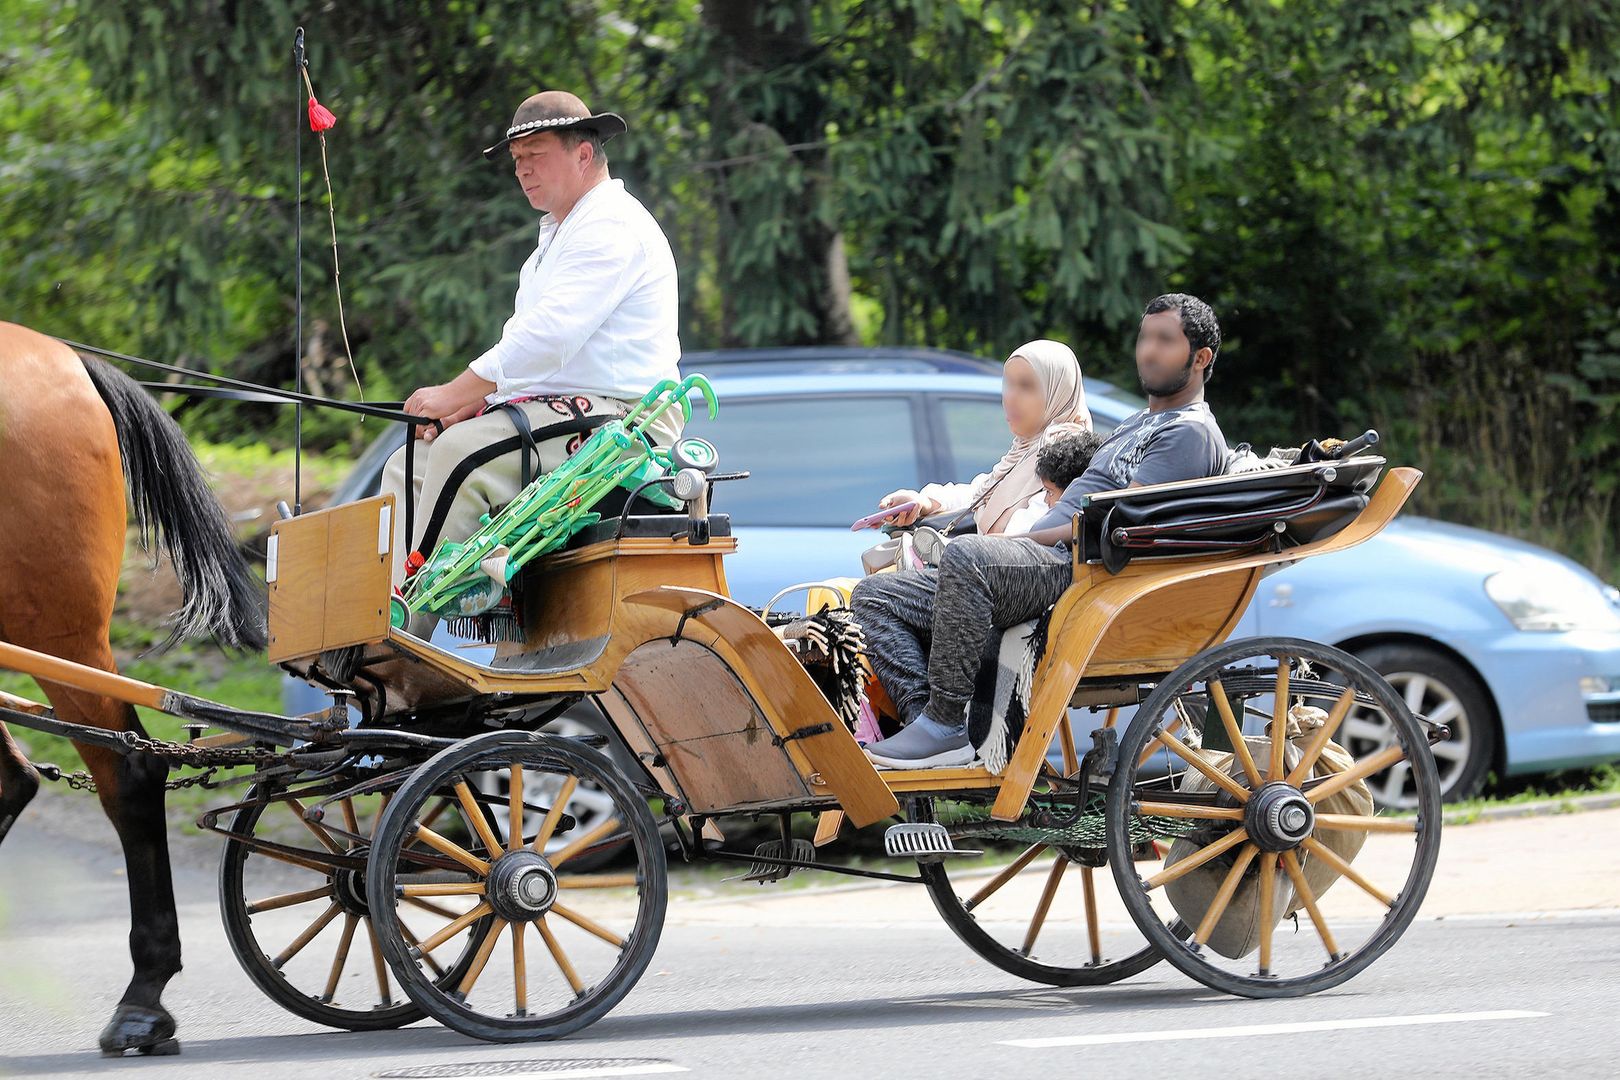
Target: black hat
557,110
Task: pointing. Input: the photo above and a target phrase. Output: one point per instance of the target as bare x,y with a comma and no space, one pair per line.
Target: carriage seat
1275,510
661,525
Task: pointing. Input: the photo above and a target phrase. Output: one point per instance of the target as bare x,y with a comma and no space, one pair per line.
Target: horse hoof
136,1027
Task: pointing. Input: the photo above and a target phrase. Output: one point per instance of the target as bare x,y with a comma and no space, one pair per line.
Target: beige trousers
475,467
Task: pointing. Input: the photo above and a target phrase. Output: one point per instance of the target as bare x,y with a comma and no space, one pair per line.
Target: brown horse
71,430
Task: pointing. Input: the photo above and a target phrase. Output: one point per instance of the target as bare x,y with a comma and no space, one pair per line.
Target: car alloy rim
1436,702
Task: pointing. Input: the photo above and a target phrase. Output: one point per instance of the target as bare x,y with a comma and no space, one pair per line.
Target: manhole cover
553,1069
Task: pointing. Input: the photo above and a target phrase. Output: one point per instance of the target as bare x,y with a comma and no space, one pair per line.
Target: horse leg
130,786
18,781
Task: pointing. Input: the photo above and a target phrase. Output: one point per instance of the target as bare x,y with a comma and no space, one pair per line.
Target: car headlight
1551,598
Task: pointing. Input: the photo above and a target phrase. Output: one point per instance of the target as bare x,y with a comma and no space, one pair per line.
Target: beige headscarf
1013,482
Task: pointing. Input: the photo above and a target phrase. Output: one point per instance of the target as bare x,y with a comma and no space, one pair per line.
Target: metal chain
210,759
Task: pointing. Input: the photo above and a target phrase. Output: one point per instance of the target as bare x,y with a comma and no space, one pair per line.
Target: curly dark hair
1197,322
1062,460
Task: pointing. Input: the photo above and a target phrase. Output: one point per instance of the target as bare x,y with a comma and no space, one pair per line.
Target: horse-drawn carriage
441,855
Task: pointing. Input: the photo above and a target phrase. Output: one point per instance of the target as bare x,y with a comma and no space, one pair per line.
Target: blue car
1514,647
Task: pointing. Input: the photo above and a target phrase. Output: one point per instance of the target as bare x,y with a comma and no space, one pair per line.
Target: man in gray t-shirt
926,630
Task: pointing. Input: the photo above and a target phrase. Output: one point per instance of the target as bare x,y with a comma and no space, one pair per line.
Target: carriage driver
593,329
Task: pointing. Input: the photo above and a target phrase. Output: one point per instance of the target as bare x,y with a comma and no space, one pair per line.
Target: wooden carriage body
706,696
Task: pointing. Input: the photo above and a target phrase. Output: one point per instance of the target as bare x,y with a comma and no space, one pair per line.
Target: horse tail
173,503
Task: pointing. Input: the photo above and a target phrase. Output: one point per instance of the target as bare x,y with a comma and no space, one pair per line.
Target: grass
1517,791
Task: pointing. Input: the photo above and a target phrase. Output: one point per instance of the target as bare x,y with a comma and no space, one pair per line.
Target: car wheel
1440,689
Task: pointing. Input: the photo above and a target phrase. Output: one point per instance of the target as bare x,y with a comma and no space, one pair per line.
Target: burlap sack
1237,933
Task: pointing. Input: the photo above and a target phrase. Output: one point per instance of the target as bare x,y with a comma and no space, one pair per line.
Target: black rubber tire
528,748
1484,735
256,962
962,923
1144,727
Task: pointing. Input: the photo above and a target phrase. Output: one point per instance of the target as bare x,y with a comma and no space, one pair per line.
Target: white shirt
596,308
958,497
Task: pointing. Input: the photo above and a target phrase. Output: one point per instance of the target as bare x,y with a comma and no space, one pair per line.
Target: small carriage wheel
325,931
571,945
1020,947
1260,823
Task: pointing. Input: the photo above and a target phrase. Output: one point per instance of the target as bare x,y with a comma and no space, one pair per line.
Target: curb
1541,808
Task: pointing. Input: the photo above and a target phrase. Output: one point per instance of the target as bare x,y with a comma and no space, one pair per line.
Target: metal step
924,841
767,872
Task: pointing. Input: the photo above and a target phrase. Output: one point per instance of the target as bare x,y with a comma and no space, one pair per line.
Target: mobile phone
872,521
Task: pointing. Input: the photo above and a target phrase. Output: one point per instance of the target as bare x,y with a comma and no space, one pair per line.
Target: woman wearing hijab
1043,399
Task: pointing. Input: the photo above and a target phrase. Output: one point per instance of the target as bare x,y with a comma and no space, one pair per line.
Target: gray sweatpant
926,630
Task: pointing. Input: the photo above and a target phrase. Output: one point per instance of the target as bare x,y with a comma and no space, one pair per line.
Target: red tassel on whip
320,117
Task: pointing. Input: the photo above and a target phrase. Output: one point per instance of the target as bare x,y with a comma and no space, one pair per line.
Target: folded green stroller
469,583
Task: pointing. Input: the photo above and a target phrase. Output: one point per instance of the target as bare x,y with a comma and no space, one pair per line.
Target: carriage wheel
555,949
300,926
1232,762
1049,915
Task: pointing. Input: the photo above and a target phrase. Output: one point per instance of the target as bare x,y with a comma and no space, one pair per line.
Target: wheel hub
1278,817
521,886
349,886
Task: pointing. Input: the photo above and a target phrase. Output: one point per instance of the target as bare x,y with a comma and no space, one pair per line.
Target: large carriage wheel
1048,915
557,948
300,925
1233,761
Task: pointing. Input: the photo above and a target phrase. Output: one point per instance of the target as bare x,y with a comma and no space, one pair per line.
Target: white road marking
612,1070
1177,1034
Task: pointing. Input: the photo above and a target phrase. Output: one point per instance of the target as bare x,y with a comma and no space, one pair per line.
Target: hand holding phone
872,521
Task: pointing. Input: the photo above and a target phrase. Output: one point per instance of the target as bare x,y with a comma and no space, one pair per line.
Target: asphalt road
1475,996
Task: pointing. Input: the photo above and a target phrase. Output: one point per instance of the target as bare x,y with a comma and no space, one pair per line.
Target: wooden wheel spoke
1168,729
520,973
588,925
1038,919
1359,771
350,921
1093,930
1196,760
436,813
1331,857
601,832
559,956
473,811
1268,884
481,958
444,888
1198,858
1201,811
597,881
350,820
1223,896
554,815
514,831
385,996
1279,722
271,903
320,832
376,822
456,926
1071,758
308,935
1358,823
1319,741
1003,877
1290,863
432,908
446,846
412,940
1234,732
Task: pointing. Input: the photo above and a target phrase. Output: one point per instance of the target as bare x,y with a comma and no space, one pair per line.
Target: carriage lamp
1551,599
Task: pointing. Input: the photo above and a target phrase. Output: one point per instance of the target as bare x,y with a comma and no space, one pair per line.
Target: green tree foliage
1406,213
